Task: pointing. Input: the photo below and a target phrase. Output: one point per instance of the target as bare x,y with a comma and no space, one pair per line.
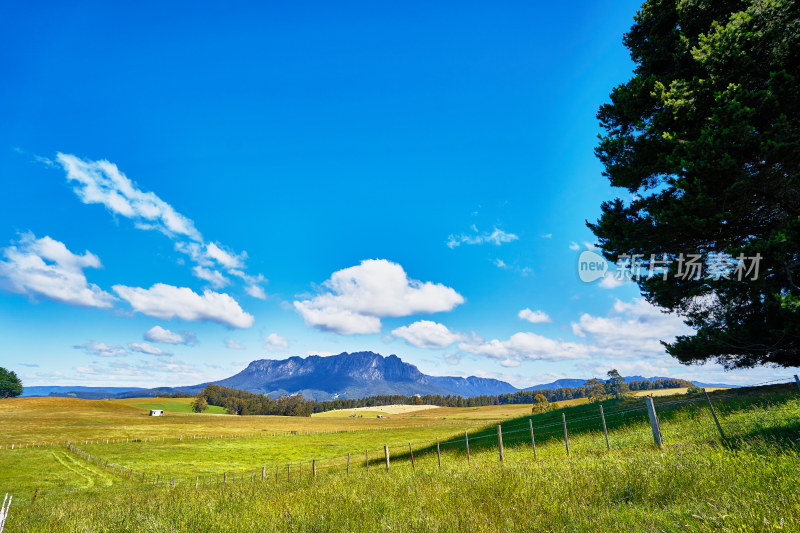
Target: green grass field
697,481
168,405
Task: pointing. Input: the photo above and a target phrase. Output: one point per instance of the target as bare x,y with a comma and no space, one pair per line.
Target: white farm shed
156,412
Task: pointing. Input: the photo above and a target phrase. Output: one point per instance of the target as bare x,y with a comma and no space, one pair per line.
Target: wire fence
738,411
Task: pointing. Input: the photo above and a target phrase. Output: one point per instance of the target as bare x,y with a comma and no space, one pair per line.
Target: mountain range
346,375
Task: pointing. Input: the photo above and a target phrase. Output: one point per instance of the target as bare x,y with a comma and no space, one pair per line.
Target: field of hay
384,410
672,392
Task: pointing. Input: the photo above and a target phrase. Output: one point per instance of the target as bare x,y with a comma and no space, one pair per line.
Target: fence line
547,430
4,510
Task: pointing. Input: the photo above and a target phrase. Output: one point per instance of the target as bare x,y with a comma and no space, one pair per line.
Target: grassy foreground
703,487
748,482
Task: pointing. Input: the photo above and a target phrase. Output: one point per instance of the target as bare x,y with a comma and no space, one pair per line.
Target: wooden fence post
533,440
367,460
466,439
276,473
301,469
566,436
714,414
654,425
348,463
438,452
797,380
605,430
263,473
196,481
225,478
314,467
411,451
288,472
500,443
386,453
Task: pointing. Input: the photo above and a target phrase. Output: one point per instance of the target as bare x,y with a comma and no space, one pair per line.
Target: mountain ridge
345,375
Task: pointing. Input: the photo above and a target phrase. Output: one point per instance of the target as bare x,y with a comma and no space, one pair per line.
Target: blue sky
189,187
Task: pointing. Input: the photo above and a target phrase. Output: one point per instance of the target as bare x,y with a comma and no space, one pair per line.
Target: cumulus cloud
143,347
356,298
574,246
45,267
163,335
525,346
496,237
101,182
633,329
101,349
427,334
233,345
534,317
276,343
167,302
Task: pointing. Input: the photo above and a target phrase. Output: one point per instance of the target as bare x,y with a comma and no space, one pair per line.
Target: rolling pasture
698,481
169,405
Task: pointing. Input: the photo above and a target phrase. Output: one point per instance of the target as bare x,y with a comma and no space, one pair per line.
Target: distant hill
77,392
580,382
343,376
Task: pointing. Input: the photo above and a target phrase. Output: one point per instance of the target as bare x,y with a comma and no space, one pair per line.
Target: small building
380,416
156,412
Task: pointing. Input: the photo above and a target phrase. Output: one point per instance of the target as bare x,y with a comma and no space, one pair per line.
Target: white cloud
213,277
167,302
45,267
101,182
534,317
453,358
252,283
496,237
256,292
427,334
632,330
546,236
359,296
322,353
574,246
143,347
163,335
224,257
499,263
233,345
525,346
276,343
611,281
589,246
101,349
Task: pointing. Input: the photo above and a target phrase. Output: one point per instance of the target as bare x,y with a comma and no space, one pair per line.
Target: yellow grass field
385,410
672,392
47,419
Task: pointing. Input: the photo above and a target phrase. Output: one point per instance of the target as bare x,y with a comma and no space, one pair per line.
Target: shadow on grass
629,412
